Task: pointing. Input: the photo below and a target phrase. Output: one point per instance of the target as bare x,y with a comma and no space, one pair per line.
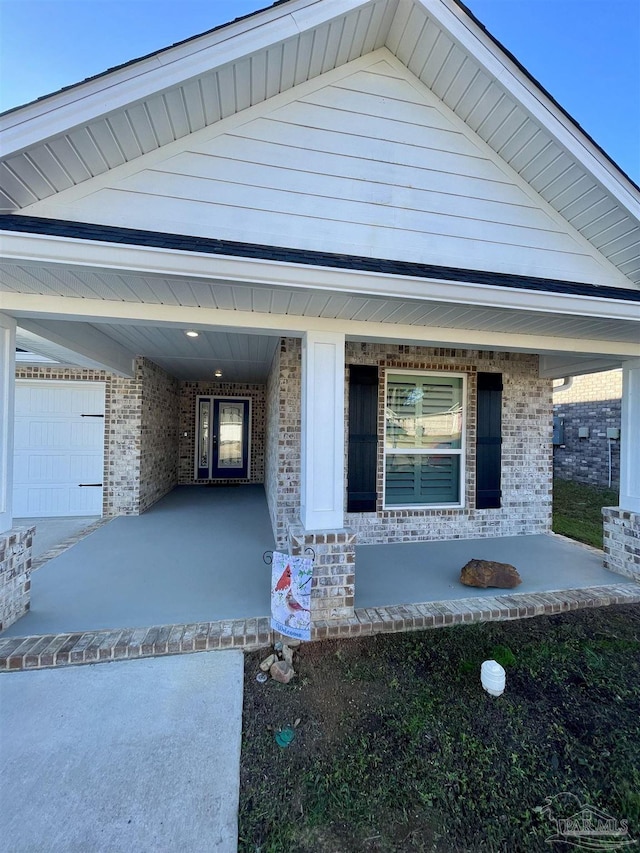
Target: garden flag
291,595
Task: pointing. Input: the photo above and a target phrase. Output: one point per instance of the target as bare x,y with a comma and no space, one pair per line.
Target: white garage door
59,448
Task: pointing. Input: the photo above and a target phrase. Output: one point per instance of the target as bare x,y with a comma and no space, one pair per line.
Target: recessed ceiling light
191,334
218,374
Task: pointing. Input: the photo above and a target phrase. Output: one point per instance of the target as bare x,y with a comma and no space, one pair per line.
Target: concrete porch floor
430,571
55,532
196,557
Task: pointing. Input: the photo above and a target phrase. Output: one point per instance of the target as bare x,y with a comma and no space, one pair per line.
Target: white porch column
630,437
322,487
621,524
7,395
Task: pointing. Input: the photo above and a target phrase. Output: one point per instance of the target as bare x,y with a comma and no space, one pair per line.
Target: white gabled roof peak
88,129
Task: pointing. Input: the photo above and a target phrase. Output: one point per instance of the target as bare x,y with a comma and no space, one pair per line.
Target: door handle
91,416
81,485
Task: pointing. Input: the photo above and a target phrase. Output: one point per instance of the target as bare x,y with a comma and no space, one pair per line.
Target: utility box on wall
558,431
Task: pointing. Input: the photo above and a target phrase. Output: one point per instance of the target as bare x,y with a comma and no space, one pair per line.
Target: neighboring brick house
588,413
341,247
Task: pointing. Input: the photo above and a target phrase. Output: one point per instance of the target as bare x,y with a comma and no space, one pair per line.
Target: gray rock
265,666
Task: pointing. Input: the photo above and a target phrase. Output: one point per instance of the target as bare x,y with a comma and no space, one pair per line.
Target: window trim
461,451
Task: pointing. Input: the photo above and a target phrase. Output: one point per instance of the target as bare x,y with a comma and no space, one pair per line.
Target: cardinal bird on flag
285,579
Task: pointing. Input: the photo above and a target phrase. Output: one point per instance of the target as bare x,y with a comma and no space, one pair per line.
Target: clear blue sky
586,53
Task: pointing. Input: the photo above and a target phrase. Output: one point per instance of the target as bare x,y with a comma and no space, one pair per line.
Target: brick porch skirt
52,650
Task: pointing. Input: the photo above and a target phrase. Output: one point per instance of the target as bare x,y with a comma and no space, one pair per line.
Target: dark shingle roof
307,257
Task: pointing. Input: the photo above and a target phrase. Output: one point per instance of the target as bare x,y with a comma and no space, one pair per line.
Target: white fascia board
39,248
454,20
95,348
253,322
88,101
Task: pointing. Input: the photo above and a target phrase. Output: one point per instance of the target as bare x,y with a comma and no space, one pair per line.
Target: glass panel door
230,457
222,438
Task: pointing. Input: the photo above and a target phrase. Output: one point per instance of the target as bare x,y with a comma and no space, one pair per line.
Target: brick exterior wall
159,423
622,542
122,450
526,448
145,405
15,574
189,391
594,402
282,481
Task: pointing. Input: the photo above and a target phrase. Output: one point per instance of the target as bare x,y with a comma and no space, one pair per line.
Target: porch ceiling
86,130
242,358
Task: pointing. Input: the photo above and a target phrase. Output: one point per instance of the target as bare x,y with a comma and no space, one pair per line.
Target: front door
222,439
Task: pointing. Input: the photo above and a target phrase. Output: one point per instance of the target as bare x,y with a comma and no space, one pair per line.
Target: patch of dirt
398,749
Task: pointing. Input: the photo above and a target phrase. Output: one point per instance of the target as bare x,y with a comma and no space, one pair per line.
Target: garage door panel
71,469
32,434
58,501
57,449
81,398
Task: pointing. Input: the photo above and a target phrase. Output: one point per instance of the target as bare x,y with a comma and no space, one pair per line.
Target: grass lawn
577,510
398,748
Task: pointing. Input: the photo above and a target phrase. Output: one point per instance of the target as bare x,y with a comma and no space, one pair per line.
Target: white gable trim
200,138
122,87
62,204
511,174
540,107
50,143
140,79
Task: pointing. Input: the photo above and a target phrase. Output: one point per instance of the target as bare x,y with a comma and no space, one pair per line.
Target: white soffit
79,290
43,351
87,130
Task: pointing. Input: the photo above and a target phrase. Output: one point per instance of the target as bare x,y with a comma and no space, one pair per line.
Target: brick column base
15,574
622,541
333,583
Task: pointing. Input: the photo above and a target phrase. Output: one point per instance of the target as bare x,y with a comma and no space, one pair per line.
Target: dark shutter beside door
489,441
363,438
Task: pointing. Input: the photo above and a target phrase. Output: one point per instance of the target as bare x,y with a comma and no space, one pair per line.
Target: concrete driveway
127,756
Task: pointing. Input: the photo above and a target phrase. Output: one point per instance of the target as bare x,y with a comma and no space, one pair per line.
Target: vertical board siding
370,164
